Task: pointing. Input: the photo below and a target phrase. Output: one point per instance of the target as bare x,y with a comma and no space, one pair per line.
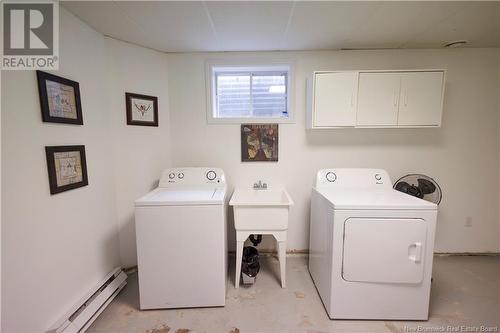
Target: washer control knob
211,175
378,177
331,177
171,175
180,175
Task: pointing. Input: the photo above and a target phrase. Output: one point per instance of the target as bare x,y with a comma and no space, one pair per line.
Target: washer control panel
353,178
178,177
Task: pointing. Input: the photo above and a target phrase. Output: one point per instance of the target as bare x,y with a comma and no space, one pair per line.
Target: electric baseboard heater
83,314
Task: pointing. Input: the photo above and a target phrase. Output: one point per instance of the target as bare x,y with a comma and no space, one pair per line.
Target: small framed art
67,168
59,99
259,143
141,109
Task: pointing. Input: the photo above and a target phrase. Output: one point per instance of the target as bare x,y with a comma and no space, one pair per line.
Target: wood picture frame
142,110
259,142
59,99
67,167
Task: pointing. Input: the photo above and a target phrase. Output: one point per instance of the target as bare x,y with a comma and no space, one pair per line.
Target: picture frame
67,168
259,142
142,110
59,99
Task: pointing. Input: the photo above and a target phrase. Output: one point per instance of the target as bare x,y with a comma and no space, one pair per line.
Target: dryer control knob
378,177
171,175
180,175
211,175
331,177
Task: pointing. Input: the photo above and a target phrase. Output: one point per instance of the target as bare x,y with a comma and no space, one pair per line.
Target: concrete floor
465,292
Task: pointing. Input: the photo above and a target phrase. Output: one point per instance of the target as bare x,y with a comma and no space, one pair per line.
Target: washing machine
182,240
371,247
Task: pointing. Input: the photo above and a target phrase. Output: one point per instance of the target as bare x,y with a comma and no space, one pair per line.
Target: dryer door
384,250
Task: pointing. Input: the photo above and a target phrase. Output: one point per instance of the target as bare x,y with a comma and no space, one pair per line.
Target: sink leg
282,258
239,256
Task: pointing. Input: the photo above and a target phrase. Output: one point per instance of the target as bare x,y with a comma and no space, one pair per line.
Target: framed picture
141,109
259,142
67,168
59,99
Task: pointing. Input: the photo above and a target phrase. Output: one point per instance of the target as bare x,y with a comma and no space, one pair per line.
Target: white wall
59,247
463,155
55,248
140,152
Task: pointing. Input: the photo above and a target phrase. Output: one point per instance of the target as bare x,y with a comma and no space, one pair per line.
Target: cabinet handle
395,98
406,97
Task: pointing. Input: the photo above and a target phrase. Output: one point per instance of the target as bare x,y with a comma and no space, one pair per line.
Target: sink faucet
260,186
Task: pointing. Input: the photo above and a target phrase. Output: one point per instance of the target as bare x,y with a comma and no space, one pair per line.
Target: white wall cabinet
335,98
421,99
381,99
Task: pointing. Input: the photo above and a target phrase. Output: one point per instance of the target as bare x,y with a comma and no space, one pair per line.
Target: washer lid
370,199
164,197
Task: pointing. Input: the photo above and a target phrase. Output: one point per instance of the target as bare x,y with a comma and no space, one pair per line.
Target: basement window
242,94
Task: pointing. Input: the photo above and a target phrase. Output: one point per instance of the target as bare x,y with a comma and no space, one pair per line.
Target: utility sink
261,209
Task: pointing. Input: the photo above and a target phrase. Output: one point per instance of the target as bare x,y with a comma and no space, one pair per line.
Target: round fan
420,186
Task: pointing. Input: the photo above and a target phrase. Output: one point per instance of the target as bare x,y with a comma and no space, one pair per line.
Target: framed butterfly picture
142,110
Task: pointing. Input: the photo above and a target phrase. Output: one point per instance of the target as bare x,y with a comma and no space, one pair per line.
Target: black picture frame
129,97
42,78
52,168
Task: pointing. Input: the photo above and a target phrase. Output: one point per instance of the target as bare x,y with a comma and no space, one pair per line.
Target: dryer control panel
353,178
192,177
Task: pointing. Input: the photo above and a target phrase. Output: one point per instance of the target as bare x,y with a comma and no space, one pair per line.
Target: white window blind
250,92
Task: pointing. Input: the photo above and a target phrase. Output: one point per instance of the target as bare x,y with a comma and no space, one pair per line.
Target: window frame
245,68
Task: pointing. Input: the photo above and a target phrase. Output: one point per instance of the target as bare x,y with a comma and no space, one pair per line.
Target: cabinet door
335,99
421,99
378,99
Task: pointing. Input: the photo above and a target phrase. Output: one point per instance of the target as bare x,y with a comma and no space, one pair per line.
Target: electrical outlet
468,222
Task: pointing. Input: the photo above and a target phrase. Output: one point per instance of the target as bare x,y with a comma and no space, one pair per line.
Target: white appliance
181,240
371,247
86,311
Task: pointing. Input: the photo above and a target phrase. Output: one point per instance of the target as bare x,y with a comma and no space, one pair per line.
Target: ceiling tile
106,17
395,23
477,22
248,26
173,26
326,25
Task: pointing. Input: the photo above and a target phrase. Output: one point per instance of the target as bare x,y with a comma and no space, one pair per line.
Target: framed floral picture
67,167
59,99
141,109
259,143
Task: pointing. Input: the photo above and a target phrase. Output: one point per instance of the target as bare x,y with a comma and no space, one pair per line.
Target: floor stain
299,294
183,330
305,321
160,329
393,328
234,330
449,318
464,289
246,296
